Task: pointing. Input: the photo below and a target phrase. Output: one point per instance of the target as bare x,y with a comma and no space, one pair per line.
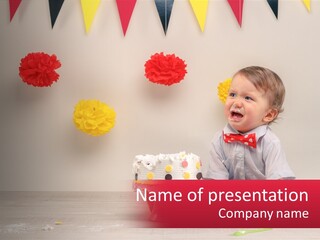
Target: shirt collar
259,131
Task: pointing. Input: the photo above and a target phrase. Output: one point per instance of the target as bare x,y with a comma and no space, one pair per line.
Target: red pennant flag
237,6
125,8
14,4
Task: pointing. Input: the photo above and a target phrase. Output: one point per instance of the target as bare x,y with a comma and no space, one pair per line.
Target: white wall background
42,150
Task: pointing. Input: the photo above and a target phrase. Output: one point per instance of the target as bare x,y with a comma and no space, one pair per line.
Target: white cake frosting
167,166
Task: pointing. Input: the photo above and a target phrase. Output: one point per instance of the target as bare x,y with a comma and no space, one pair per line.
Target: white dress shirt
237,161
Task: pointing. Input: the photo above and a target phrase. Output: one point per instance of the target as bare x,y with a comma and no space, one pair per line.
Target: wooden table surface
103,215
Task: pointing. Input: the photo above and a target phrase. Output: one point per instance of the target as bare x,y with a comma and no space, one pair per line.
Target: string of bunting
164,8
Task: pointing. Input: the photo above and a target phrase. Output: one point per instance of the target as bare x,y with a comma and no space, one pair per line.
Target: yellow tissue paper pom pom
93,117
223,89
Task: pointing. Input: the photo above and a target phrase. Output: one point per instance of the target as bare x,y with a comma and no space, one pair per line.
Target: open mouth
235,115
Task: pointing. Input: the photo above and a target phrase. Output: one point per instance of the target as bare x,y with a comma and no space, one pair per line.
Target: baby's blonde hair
268,81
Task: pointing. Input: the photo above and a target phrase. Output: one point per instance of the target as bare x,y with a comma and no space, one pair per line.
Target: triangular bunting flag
55,6
274,6
237,6
125,8
307,3
89,9
200,8
164,8
14,4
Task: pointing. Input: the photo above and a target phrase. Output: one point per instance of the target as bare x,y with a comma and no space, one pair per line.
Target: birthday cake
167,166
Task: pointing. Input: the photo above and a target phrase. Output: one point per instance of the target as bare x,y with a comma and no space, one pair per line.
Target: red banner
14,4
232,203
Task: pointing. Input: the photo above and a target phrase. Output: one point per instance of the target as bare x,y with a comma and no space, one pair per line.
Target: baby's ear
271,115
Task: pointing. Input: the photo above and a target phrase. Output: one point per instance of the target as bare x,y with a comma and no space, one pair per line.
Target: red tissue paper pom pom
165,69
38,69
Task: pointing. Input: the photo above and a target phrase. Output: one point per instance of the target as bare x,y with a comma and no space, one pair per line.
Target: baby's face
246,107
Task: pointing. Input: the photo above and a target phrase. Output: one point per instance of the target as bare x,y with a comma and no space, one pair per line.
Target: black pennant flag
164,8
55,6
274,6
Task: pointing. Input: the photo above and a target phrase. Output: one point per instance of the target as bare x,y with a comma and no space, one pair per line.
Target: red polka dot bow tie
247,139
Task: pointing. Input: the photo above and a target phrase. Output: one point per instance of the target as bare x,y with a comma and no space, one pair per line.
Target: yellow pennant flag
89,9
307,3
200,10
